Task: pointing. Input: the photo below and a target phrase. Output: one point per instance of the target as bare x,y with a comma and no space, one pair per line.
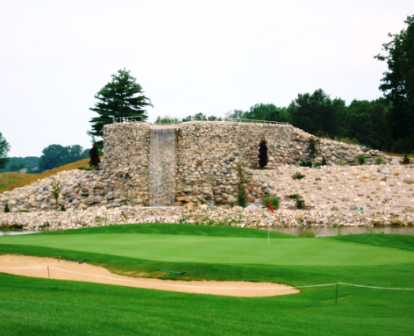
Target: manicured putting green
221,250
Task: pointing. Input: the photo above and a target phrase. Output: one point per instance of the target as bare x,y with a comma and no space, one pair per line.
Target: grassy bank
10,181
70,308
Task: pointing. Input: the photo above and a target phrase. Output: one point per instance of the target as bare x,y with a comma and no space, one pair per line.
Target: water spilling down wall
162,165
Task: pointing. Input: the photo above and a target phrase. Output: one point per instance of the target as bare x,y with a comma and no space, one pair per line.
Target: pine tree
120,98
263,158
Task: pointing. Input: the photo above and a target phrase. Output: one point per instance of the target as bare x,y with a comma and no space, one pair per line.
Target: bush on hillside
406,160
361,159
300,203
263,157
6,207
94,155
272,200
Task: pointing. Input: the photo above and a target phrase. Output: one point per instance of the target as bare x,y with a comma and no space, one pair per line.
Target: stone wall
207,156
127,160
208,152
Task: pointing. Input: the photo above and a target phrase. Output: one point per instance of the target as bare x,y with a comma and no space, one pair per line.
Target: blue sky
189,57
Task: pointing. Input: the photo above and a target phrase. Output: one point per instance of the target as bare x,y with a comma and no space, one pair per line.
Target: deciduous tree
4,149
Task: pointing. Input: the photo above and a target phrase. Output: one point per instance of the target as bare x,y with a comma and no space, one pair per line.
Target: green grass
395,241
28,307
216,249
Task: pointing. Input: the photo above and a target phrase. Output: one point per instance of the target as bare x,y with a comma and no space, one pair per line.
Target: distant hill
11,180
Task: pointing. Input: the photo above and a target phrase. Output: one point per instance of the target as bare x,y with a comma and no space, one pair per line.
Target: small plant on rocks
361,159
272,200
300,203
406,160
378,160
6,207
341,162
62,208
241,193
313,148
323,161
298,176
55,191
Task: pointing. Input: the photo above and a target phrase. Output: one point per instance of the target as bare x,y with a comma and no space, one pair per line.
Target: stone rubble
386,194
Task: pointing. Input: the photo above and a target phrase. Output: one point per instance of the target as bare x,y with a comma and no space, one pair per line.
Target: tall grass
10,181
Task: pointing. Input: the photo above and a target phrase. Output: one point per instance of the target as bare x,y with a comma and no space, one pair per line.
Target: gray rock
252,207
353,207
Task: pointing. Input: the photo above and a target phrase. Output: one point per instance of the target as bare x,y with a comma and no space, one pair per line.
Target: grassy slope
28,307
394,241
9,181
175,229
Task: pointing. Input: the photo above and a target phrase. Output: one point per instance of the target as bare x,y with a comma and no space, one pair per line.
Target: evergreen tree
263,157
94,155
317,112
398,85
120,98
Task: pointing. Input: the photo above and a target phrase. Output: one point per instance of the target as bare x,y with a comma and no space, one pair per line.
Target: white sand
67,270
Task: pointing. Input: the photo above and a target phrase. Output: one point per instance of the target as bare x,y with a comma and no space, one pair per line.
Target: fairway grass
28,307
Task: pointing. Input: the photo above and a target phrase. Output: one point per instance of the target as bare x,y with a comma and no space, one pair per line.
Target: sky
188,56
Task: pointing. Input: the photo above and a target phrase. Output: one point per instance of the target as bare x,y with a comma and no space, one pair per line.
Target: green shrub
406,159
300,203
323,161
263,157
341,162
313,148
62,208
298,176
294,196
378,160
307,234
317,164
361,159
306,164
273,200
16,227
6,207
241,198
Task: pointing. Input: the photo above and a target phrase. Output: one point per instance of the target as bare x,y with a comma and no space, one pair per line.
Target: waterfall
162,165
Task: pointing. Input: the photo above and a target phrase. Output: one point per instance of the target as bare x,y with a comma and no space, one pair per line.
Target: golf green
221,250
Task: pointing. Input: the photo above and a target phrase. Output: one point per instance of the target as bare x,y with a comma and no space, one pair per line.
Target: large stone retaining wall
207,156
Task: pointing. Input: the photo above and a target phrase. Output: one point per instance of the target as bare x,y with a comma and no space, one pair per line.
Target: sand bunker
67,270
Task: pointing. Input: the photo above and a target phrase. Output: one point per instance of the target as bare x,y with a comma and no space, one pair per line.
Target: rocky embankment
334,195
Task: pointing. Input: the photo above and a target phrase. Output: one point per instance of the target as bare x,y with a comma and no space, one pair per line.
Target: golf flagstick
269,205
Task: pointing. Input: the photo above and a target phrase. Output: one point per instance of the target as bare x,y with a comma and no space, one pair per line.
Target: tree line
53,156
